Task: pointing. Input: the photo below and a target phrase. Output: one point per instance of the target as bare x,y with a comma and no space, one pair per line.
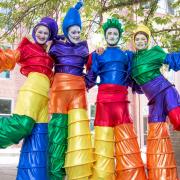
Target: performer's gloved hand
8,59
100,50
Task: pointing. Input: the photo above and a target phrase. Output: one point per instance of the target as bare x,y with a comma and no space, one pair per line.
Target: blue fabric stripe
33,157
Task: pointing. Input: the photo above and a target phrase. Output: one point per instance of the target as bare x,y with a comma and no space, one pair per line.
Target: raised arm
173,60
8,59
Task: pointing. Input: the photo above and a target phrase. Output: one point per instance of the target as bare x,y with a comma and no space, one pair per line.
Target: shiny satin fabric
104,165
147,63
79,130
161,162
104,148
155,87
112,105
98,174
112,93
79,115
164,100
69,58
129,164
67,92
8,59
33,157
112,66
79,141
34,58
58,133
14,128
79,159
32,99
174,116
107,135
83,172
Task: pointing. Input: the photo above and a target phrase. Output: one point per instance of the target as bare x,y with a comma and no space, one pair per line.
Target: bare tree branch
23,15
167,30
122,4
100,14
153,7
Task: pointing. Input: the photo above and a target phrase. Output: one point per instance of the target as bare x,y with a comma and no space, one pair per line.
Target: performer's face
141,41
42,34
112,36
74,33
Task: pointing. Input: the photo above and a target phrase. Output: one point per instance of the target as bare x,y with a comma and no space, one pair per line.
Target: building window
145,5
5,107
145,122
5,74
92,116
170,10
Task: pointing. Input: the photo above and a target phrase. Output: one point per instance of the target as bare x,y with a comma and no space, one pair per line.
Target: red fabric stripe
89,62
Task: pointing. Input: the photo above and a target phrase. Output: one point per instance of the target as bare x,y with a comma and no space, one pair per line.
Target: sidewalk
8,164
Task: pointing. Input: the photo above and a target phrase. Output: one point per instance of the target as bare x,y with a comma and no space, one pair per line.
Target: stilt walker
164,101
30,117
70,148
117,153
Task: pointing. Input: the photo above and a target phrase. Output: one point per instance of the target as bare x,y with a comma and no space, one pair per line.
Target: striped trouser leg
161,162
33,157
129,164
57,130
79,157
104,166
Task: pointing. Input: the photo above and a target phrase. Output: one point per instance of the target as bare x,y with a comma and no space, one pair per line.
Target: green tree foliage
23,14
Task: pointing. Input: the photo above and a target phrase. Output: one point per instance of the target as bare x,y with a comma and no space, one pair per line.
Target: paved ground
7,172
8,164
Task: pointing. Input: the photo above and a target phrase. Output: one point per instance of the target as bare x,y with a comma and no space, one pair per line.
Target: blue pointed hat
51,24
72,18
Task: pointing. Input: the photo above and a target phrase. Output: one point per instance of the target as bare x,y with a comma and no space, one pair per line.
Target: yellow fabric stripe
104,133
104,148
31,100
79,172
78,129
38,83
75,115
80,157
102,175
79,142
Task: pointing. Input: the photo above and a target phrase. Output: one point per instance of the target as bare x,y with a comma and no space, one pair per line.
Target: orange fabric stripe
129,164
161,162
8,59
63,81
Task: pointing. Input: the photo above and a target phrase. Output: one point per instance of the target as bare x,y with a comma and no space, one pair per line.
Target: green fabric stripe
146,64
14,128
58,133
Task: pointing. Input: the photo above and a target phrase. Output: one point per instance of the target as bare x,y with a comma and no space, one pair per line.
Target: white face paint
141,42
42,34
74,33
112,36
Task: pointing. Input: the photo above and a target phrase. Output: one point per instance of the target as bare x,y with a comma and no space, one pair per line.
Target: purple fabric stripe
162,104
155,86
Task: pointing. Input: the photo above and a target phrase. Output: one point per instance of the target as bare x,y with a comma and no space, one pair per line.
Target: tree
17,14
